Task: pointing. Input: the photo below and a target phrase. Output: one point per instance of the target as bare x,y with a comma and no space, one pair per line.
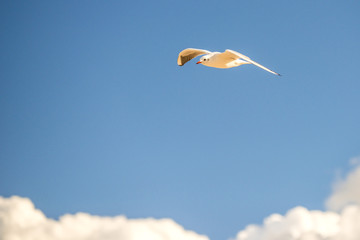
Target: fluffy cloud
302,224
19,220
346,191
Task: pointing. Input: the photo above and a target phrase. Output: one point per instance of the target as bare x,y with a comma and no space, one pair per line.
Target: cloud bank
347,190
20,220
300,223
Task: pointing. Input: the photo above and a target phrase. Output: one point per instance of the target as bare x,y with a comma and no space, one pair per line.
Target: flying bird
227,59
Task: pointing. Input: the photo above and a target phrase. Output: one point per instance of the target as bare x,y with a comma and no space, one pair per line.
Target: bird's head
204,59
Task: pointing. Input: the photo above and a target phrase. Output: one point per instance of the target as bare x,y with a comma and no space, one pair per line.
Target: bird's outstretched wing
188,54
237,55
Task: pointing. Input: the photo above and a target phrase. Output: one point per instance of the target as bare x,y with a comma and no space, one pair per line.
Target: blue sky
97,116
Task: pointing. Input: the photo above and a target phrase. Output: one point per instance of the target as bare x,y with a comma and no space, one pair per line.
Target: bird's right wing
239,55
188,54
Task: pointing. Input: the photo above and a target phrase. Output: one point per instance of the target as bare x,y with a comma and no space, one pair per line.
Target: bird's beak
198,62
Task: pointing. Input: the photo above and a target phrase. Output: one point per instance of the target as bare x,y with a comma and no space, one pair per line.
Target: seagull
227,59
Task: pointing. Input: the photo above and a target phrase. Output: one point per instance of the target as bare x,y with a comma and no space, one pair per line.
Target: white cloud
19,220
346,191
300,223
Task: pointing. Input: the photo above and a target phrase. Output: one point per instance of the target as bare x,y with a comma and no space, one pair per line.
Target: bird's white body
216,60
227,59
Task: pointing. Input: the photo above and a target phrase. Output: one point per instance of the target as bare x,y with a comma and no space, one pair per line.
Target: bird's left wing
237,55
188,54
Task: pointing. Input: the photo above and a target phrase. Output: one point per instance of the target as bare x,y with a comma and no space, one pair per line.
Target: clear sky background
97,117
